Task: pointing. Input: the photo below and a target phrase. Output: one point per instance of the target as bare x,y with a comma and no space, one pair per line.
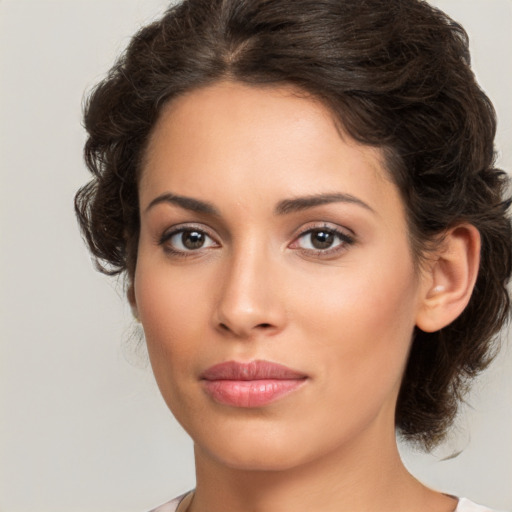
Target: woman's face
270,238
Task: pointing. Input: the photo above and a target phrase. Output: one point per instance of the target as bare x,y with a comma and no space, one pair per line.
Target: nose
249,302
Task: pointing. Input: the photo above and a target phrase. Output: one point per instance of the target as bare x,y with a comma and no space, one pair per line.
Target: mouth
252,384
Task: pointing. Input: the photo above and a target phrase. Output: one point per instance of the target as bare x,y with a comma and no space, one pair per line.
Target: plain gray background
82,428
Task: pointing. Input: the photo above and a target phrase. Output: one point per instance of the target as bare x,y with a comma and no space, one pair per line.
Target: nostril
226,327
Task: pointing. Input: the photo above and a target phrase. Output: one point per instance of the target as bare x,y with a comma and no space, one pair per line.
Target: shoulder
466,505
170,506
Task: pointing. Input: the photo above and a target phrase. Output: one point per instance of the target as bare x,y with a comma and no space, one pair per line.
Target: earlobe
450,278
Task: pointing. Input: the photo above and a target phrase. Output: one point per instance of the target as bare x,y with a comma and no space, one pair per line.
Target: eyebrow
188,203
303,203
284,207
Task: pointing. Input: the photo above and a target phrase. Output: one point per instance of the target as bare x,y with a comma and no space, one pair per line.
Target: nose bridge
248,299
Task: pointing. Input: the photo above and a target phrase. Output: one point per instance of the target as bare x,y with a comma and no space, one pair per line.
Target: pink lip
251,384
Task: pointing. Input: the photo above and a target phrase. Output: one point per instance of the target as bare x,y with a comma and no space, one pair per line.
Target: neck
368,475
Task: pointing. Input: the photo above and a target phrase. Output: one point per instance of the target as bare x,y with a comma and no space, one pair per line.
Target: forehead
272,140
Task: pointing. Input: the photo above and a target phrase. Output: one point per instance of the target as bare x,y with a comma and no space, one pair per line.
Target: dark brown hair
397,76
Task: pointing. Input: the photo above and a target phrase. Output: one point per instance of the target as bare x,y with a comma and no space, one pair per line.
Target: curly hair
397,76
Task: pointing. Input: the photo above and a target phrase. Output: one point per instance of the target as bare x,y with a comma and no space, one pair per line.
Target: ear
449,278
130,294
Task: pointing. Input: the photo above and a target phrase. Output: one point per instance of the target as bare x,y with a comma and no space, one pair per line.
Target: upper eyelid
328,226
185,226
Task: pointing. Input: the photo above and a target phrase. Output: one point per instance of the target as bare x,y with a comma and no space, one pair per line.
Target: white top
464,505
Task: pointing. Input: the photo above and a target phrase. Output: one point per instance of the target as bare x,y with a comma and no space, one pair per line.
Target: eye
186,240
322,240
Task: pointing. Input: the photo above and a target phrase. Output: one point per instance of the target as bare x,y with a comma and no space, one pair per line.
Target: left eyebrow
303,203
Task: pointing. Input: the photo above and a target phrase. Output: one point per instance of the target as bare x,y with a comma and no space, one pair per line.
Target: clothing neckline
186,497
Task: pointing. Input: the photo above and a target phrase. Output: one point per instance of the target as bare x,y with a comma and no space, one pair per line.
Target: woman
303,198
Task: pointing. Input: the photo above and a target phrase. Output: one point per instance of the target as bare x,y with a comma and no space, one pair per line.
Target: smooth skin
267,233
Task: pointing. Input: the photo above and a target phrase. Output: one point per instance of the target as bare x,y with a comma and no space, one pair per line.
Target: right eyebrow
302,203
187,203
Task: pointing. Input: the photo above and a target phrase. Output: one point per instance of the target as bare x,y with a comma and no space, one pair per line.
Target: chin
260,445
255,459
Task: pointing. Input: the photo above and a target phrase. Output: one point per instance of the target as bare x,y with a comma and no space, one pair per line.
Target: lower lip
250,393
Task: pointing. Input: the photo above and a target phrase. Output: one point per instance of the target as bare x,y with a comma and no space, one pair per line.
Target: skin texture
258,289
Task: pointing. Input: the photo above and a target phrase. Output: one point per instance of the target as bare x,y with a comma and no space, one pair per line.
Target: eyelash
344,241
166,236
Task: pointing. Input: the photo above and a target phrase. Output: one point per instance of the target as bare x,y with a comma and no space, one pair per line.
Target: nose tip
248,303
245,322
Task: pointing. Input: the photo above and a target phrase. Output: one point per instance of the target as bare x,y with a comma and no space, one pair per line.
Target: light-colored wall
81,428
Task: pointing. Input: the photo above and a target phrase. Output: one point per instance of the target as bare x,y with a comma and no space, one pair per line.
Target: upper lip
253,370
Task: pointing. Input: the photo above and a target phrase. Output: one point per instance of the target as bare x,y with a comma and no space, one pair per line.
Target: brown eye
321,239
192,239
187,240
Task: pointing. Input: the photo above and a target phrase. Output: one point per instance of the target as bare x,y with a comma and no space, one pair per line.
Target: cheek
362,323
172,310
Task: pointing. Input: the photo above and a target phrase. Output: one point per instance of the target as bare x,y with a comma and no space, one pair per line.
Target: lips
253,384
